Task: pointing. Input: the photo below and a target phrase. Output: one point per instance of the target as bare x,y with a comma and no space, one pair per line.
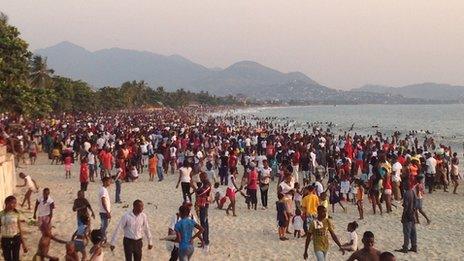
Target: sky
342,44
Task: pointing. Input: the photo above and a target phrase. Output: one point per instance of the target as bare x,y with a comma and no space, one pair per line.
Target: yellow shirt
310,204
320,234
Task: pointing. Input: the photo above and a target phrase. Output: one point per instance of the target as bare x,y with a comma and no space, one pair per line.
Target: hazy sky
342,44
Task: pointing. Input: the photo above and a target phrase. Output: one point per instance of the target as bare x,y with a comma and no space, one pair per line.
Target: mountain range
112,67
426,91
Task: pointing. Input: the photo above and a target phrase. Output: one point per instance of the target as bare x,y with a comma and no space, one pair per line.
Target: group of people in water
216,157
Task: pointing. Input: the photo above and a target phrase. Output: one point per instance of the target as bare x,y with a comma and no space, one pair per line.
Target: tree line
29,88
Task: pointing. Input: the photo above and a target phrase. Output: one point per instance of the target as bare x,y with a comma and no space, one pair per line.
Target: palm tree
40,73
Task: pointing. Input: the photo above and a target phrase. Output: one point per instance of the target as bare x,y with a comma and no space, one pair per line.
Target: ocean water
445,122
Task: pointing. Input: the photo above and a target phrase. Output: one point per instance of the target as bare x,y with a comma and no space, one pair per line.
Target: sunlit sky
342,44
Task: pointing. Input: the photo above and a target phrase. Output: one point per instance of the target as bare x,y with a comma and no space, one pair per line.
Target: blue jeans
118,190
160,173
186,253
409,233
320,255
104,223
204,223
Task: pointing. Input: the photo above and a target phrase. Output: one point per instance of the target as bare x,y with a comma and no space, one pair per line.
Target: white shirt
103,194
397,167
319,188
30,184
352,236
185,174
431,165
134,226
91,158
44,208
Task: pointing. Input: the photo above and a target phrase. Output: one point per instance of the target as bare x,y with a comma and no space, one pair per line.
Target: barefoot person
135,225
11,233
105,205
44,243
408,218
43,210
368,252
319,229
31,188
184,230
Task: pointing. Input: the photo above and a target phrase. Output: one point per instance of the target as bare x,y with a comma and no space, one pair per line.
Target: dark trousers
174,254
204,223
429,182
223,171
264,190
84,186
118,191
132,248
11,247
186,191
409,234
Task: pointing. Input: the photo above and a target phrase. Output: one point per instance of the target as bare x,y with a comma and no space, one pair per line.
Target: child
71,254
297,196
359,198
334,197
152,163
323,201
31,187
68,159
80,237
297,223
282,216
97,238
219,196
84,174
210,172
352,245
44,243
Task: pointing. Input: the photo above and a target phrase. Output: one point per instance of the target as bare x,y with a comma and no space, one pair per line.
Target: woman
265,177
184,230
10,226
185,177
287,189
455,172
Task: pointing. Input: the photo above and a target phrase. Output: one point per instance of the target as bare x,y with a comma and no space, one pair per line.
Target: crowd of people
217,157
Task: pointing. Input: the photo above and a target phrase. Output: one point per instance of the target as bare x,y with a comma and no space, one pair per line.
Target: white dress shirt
134,227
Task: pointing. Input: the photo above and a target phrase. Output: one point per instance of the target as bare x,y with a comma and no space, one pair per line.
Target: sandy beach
250,236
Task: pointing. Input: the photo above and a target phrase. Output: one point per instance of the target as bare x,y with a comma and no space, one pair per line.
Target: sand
250,236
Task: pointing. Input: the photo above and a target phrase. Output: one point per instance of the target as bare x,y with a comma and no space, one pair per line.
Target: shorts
79,245
418,203
387,192
67,167
230,193
43,220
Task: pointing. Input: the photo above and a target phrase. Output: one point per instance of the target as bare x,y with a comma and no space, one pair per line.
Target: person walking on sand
319,229
31,188
408,218
105,205
135,225
44,206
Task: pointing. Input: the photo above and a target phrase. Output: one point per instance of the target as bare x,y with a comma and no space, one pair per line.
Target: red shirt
253,179
107,159
84,175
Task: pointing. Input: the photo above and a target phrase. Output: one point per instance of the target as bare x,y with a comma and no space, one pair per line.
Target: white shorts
387,192
345,187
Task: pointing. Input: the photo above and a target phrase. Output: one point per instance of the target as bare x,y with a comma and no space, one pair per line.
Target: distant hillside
427,91
115,66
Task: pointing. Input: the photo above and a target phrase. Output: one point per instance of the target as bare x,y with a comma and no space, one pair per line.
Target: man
105,204
368,252
431,164
408,218
106,159
318,229
309,205
135,225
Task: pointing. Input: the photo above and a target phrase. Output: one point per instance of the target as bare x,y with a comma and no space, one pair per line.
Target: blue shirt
185,227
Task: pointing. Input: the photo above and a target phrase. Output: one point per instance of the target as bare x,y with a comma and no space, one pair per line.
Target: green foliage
28,87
